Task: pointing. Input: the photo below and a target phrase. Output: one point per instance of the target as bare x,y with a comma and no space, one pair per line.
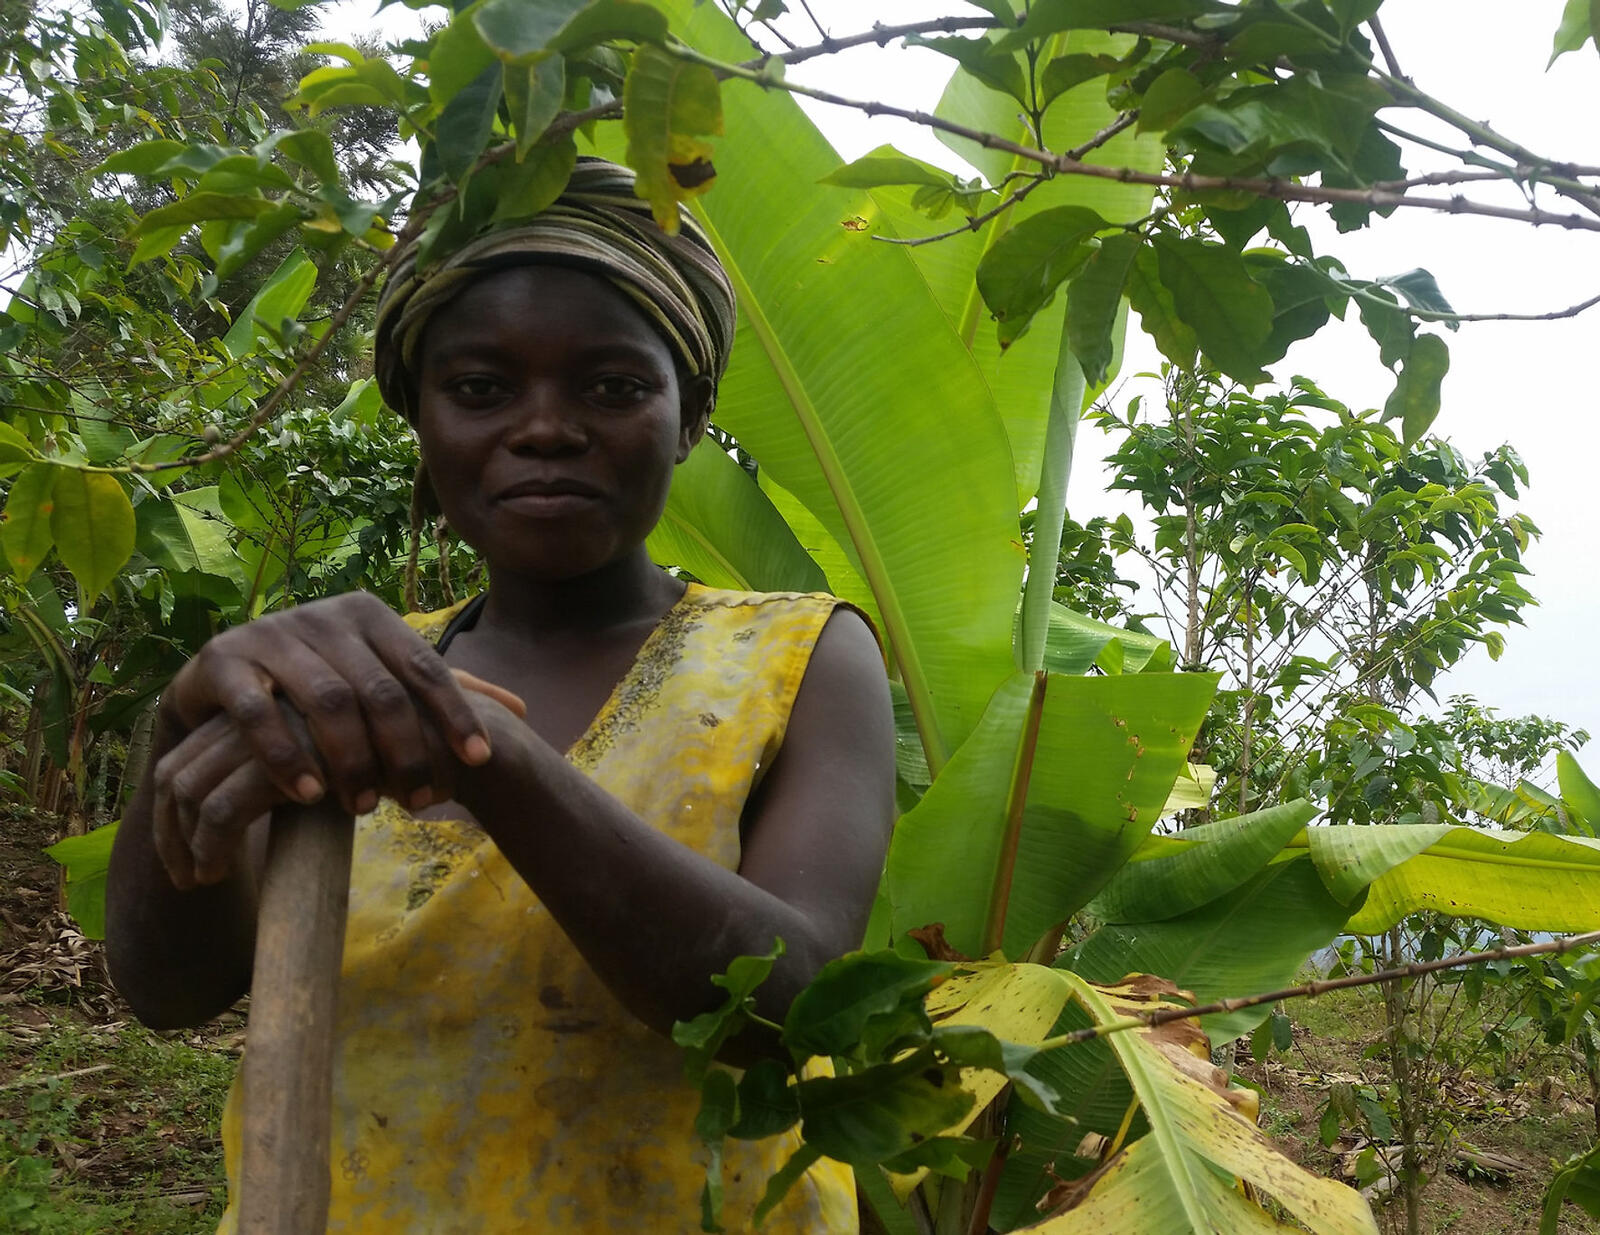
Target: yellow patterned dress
485,1081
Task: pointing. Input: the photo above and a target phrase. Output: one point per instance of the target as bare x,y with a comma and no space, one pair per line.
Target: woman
548,868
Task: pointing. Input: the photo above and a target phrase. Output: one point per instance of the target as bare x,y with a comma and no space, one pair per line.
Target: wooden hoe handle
285,1175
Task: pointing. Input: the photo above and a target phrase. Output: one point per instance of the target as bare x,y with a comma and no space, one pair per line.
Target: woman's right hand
369,688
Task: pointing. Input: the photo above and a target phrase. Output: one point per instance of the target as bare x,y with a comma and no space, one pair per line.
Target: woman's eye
475,388
618,388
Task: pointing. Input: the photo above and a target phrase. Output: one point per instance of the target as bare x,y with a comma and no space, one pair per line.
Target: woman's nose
544,422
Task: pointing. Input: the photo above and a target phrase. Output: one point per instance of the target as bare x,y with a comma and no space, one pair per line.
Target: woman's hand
365,682
211,787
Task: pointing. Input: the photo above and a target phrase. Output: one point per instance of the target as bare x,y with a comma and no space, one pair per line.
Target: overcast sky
1530,384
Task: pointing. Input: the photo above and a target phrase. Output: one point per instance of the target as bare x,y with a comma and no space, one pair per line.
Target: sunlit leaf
92,523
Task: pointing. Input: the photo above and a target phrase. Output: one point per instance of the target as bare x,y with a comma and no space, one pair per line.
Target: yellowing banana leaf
1106,754
1019,1003
1192,790
886,431
722,529
1174,1179
1533,881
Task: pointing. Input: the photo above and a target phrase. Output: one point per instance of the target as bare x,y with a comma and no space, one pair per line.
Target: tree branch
1309,990
880,34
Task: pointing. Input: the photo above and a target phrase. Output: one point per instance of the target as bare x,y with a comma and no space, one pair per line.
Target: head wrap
597,225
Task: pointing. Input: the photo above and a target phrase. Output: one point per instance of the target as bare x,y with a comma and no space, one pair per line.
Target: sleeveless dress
485,1080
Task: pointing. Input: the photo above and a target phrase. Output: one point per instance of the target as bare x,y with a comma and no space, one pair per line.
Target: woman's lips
548,503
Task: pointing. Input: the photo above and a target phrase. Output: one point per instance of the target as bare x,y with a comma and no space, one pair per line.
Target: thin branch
1383,46
881,35
1163,1016
1279,189
826,38
974,222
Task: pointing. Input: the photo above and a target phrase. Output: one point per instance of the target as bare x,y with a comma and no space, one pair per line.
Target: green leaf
14,447
719,1108
1176,874
1076,643
702,1037
1108,751
767,1102
250,238
87,859
998,70
606,20
1093,303
872,170
830,1015
198,207
1578,1180
1533,881
178,537
1167,98
669,105
1158,313
1581,795
1230,314
1415,399
1064,73
533,97
526,188
1020,274
458,57
1253,937
143,159
865,1117
93,524
313,150
464,126
720,527
973,1046
1580,22
25,531
517,29
281,297
1053,16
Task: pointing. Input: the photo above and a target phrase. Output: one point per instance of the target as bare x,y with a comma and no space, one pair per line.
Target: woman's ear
697,396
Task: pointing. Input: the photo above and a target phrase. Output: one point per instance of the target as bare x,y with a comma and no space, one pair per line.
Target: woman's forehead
519,304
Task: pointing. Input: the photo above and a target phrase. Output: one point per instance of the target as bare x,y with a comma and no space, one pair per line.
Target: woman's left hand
210,787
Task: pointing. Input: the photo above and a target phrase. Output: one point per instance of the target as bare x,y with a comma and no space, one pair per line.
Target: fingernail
366,802
422,797
477,750
308,788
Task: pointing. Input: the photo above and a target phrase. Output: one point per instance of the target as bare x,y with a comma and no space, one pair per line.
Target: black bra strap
464,620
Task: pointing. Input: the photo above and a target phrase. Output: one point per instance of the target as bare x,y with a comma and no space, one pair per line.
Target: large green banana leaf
844,576
1021,376
1253,938
1534,881
1170,875
851,388
722,529
1107,752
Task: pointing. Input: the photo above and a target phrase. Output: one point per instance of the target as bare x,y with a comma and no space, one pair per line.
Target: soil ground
109,1129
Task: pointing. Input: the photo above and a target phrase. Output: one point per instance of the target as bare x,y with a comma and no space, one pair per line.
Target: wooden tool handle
285,1175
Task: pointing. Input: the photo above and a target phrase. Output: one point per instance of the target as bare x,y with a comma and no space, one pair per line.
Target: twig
1383,46
59,1076
826,38
974,222
881,35
1163,1016
1280,189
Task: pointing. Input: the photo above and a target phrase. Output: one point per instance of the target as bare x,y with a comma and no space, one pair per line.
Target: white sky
1527,383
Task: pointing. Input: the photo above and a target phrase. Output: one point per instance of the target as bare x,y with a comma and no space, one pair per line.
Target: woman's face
551,418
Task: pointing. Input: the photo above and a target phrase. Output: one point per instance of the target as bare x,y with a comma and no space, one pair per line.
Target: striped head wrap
596,225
